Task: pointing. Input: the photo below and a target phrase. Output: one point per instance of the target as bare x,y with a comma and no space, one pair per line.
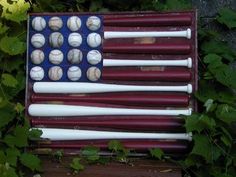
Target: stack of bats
148,74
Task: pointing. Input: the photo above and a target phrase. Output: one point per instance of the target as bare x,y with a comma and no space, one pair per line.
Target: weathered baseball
38,40
75,39
56,57
74,23
75,56
55,23
93,23
94,57
74,73
94,39
55,73
56,39
37,73
93,73
38,23
37,56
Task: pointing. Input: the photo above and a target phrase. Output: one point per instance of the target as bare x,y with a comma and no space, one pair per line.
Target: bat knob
189,62
189,88
188,33
190,111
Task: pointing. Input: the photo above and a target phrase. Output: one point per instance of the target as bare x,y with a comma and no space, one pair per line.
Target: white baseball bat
55,134
126,62
83,87
47,110
137,34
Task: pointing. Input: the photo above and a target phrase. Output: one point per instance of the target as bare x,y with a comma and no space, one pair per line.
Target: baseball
55,23
75,56
38,23
56,39
56,57
55,73
37,56
74,73
94,57
75,39
93,23
93,73
38,40
37,73
74,23
94,40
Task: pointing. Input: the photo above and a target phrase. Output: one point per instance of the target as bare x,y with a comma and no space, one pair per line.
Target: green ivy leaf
227,17
115,145
156,153
30,161
12,155
76,165
3,28
2,157
8,80
91,153
12,45
7,114
21,136
226,113
15,11
34,134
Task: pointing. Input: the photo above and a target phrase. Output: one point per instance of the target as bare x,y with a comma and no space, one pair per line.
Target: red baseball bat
143,123
138,145
148,20
127,99
147,48
137,74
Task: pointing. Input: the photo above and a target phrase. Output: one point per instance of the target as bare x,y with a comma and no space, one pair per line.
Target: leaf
2,157
227,17
226,113
76,165
12,155
19,108
7,115
15,11
21,136
12,45
115,145
91,153
30,161
3,28
8,80
34,134
199,122
157,153
210,106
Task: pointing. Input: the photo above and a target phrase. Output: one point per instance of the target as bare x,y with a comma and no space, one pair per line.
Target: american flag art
92,78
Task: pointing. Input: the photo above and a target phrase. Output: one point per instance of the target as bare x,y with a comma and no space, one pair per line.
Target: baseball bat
55,134
142,123
127,62
168,146
48,110
139,74
138,34
83,87
137,99
148,20
170,49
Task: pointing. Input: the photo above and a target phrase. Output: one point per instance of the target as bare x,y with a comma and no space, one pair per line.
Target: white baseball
74,23
37,73
37,56
75,39
55,73
38,40
74,73
56,39
93,23
56,57
38,23
94,57
94,40
55,23
75,56
93,73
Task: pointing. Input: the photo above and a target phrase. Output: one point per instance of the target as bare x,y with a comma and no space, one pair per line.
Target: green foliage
156,153
121,152
76,165
227,17
91,153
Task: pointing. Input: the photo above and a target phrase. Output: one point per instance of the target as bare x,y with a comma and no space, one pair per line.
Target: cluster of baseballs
55,73
56,39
